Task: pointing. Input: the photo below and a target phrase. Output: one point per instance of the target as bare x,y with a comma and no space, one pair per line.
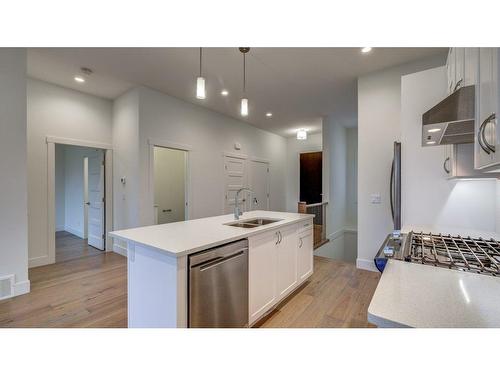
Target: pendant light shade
244,100
200,88
200,83
244,107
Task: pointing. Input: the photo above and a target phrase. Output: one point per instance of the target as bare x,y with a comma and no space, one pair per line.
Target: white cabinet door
459,68
305,255
287,260
448,161
471,67
485,129
262,265
450,67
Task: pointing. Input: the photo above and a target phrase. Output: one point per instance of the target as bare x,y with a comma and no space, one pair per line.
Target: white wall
169,184
340,150
351,220
13,185
60,112
60,193
430,201
379,108
209,134
294,148
126,161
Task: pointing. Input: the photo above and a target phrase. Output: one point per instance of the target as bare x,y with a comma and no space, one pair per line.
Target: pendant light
200,84
244,100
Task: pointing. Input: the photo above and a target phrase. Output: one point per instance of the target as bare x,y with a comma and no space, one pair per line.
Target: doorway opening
170,187
311,177
80,217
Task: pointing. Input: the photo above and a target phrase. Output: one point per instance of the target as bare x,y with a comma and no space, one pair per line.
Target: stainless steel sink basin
253,223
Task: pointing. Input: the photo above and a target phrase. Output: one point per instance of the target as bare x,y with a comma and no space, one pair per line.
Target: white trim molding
21,287
168,144
260,160
366,264
341,232
50,257
234,155
119,249
78,142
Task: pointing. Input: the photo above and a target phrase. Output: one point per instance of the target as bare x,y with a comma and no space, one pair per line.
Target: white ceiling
298,85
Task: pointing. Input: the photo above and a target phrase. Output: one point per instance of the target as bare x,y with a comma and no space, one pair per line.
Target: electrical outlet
375,198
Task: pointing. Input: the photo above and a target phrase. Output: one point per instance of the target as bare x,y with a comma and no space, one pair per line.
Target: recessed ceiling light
302,134
79,79
366,49
269,114
433,130
224,93
431,142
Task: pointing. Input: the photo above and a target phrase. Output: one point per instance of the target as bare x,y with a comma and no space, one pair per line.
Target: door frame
51,189
310,151
152,143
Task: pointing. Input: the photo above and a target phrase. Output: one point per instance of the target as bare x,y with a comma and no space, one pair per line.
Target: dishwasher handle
218,260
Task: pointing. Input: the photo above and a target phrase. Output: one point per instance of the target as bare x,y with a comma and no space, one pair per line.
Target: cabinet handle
490,118
278,238
444,165
300,242
458,85
480,138
281,237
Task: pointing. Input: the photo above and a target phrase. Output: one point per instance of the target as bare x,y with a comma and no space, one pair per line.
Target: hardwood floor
336,296
69,246
84,288
91,291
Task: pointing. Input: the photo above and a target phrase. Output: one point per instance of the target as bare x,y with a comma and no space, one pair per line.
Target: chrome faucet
237,211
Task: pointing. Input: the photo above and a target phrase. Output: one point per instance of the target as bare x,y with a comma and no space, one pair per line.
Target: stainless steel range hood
451,121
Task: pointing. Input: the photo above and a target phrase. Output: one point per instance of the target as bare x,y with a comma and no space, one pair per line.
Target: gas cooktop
455,252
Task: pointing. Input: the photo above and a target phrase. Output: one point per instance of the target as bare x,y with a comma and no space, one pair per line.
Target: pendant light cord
244,73
200,61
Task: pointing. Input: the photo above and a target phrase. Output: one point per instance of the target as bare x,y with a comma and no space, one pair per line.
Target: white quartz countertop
190,236
423,296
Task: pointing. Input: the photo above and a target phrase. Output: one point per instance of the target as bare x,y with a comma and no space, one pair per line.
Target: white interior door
169,185
235,178
259,176
96,200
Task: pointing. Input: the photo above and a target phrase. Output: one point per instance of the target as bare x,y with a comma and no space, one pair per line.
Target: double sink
252,223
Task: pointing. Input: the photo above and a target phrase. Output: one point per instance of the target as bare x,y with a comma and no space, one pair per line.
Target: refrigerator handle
391,190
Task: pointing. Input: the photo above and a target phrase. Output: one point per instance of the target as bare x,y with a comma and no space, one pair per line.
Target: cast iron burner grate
467,254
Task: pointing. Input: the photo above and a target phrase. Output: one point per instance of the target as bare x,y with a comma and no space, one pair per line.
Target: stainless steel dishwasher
218,287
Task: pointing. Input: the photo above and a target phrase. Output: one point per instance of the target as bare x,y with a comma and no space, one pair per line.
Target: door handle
219,260
480,138
167,210
457,86
391,188
87,203
490,119
444,165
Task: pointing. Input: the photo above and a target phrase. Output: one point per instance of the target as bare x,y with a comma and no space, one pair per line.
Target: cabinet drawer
305,226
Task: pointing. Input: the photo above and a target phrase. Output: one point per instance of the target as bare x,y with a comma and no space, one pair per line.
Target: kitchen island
280,259
423,296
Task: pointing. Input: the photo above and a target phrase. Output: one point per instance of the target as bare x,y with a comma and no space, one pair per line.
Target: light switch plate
375,198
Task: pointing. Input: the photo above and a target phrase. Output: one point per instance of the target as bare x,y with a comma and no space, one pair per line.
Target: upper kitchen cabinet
487,104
